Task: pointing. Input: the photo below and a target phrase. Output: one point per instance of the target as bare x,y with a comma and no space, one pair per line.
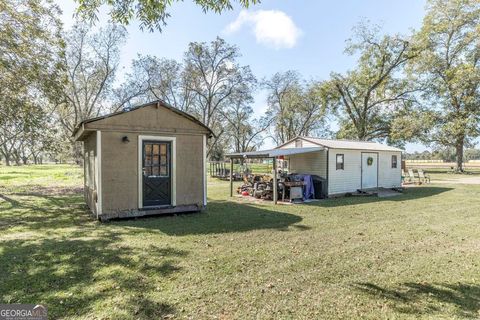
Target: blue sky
308,36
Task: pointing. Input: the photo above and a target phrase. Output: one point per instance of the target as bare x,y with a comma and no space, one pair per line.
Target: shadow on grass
43,209
75,266
220,217
76,276
79,268
422,298
37,210
408,194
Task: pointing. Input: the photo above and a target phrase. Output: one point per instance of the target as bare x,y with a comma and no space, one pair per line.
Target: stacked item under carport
292,187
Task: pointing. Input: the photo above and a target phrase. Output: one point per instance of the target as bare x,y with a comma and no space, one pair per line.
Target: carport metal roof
272,153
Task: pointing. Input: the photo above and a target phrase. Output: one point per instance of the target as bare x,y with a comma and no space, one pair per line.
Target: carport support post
231,177
275,195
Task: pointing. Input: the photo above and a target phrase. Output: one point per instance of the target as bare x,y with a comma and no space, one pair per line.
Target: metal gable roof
347,144
273,152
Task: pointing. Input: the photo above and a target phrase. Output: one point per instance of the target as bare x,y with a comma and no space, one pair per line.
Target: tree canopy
294,107
369,98
152,15
449,70
209,83
31,72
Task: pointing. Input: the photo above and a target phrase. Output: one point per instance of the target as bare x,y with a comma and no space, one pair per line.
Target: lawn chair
422,176
412,177
404,176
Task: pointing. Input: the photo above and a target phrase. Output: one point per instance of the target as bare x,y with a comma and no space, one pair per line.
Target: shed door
157,178
369,170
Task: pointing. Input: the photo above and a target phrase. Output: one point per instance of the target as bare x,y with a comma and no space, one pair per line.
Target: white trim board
98,166
204,161
173,140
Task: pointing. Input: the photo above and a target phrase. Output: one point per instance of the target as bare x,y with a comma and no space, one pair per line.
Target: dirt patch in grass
49,191
39,189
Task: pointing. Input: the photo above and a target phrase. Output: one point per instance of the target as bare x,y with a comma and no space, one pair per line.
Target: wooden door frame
173,168
361,167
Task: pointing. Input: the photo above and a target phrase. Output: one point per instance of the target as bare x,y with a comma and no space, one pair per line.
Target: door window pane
148,149
148,160
148,171
164,171
155,149
163,149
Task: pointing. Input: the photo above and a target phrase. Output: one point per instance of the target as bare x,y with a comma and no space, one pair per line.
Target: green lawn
413,256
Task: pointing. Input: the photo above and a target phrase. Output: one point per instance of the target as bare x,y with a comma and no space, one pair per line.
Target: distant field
444,167
441,165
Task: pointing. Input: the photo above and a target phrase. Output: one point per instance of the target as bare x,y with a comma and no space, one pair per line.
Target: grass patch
413,256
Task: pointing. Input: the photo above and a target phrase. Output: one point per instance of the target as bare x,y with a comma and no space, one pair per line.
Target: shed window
340,158
156,159
394,161
298,143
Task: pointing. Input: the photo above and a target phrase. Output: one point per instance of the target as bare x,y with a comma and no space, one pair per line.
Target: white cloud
272,28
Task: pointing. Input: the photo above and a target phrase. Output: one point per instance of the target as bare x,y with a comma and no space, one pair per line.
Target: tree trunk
6,155
459,153
77,153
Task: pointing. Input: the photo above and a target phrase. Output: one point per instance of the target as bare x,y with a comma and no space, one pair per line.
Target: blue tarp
308,190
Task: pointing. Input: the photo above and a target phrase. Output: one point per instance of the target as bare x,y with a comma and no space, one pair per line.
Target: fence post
231,177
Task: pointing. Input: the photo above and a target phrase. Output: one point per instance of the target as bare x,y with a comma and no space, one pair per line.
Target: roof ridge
143,105
350,140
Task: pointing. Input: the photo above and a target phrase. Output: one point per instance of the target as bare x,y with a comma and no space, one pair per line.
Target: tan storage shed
146,160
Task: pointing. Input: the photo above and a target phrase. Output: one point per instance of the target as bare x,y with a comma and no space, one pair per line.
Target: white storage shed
346,165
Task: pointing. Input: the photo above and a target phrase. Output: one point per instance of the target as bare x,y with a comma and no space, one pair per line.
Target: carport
268,154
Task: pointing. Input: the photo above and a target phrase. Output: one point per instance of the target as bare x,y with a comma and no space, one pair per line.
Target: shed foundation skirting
150,212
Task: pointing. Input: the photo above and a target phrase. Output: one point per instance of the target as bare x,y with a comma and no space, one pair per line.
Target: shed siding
309,163
349,179
120,170
305,144
90,155
389,177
